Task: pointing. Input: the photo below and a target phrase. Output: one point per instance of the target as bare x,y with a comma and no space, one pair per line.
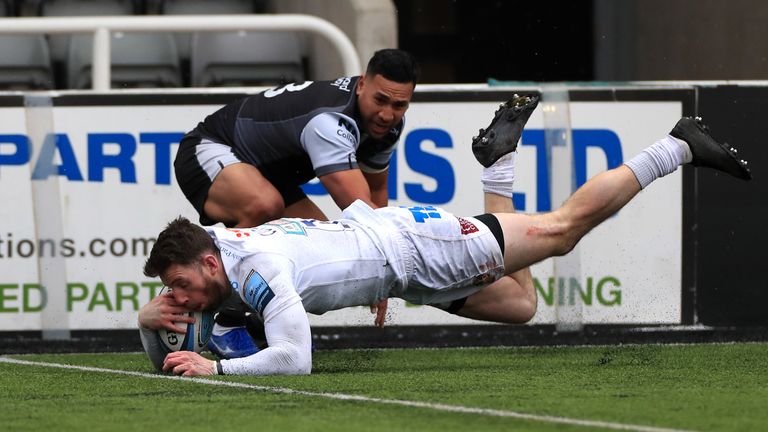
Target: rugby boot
506,128
707,152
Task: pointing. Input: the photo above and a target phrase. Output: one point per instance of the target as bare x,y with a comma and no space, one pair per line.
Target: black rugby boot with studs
505,130
707,152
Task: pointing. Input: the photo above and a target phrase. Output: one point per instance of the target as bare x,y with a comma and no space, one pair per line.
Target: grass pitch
680,387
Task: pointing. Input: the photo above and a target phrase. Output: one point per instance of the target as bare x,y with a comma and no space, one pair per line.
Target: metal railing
102,26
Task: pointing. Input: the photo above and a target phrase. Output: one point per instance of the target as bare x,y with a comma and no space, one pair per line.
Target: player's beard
218,293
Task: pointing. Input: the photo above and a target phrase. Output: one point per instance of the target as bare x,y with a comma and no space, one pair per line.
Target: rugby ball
196,337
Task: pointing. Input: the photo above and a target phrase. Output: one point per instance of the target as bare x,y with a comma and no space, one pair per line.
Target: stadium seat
25,63
138,60
245,58
205,7
59,44
88,7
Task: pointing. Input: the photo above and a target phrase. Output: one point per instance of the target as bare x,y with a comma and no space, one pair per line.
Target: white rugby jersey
289,266
421,254
326,265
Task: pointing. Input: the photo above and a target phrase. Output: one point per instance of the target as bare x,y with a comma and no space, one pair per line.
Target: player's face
382,103
194,286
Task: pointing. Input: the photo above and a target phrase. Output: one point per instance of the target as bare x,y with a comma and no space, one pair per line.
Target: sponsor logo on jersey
467,227
342,83
239,232
346,135
421,214
256,291
228,253
346,129
327,225
285,226
346,124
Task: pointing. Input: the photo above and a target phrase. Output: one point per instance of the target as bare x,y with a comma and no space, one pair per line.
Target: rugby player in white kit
424,255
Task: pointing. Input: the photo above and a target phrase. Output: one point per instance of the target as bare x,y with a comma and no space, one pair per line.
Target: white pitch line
358,398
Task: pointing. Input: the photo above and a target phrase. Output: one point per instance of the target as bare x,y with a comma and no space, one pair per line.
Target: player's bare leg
512,299
304,208
529,239
241,196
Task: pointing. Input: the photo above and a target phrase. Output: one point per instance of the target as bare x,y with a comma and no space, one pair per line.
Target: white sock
660,159
499,178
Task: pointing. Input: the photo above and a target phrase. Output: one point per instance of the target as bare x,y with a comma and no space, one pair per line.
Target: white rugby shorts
448,257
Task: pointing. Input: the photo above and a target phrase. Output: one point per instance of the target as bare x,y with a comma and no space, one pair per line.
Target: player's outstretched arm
347,186
290,347
289,351
377,183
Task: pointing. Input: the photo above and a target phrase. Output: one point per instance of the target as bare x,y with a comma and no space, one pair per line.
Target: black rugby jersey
300,130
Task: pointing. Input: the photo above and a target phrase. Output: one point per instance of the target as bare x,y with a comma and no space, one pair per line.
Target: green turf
696,387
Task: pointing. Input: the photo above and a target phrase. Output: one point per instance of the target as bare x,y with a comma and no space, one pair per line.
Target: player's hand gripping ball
196,337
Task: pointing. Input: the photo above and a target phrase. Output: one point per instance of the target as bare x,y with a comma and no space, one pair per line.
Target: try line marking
358,398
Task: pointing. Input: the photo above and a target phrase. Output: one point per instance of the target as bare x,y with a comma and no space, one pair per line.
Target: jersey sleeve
289,351
150,340
377,161
265,284
331,139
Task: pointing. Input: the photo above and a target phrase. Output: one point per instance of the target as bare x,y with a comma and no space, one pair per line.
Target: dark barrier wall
729,233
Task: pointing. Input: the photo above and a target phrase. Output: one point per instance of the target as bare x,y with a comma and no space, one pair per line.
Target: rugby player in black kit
245,163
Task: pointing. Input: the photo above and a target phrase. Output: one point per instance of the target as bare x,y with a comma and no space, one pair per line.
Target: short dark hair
181,242
395,65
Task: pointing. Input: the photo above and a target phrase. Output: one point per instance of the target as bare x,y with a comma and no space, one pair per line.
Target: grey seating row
152,59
